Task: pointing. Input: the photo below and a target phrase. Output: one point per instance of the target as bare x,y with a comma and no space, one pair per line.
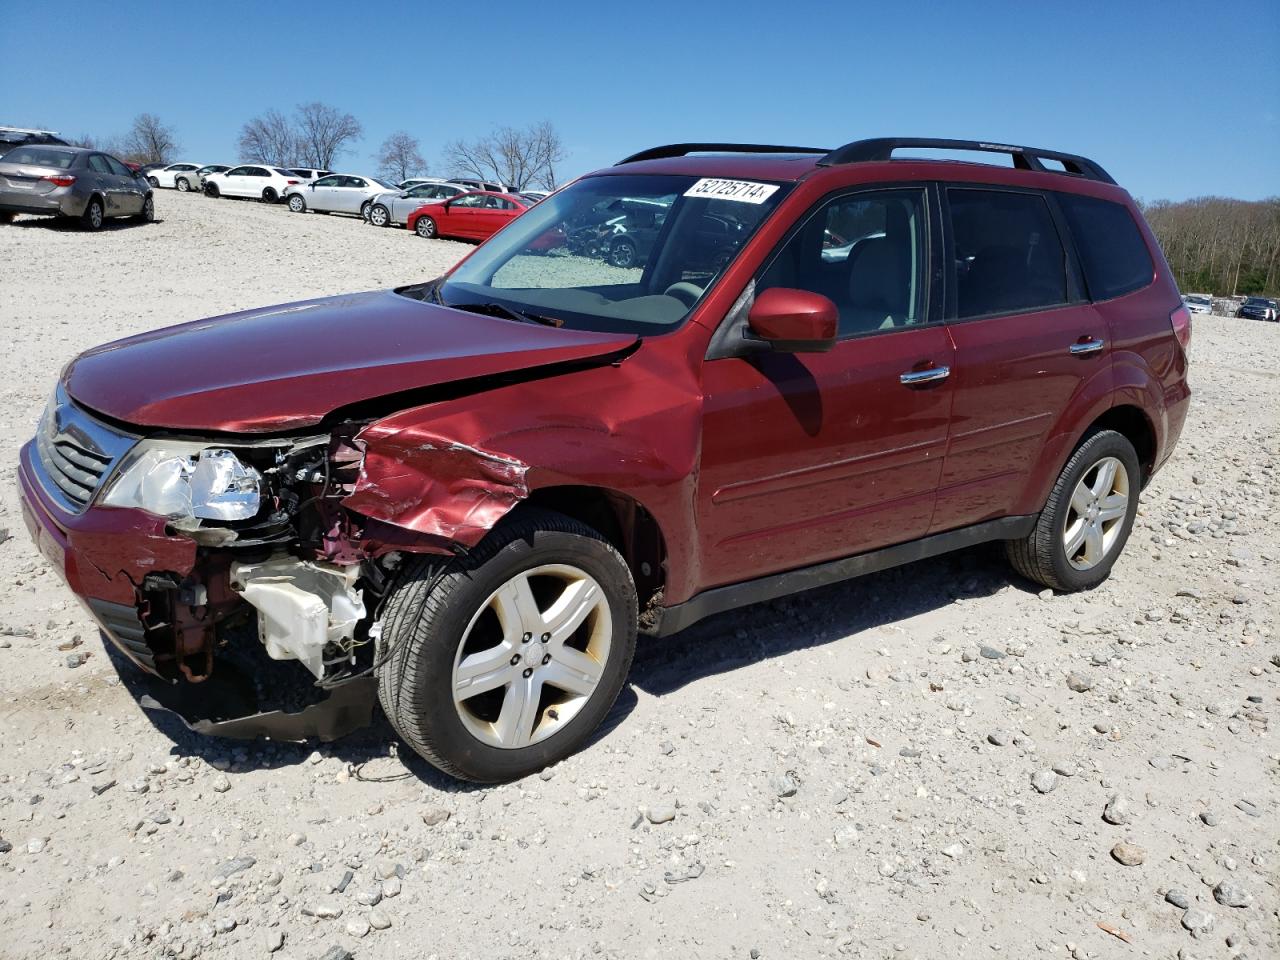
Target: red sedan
475,216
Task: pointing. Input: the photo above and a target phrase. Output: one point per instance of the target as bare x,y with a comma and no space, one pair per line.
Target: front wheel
425,227
505,660
297,204
153,181
6,216
378,215
1087,519
622,253
148,213
182,184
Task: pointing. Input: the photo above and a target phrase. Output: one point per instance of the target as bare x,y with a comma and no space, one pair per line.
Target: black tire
211,191
297,204
155,184
94,216
429,607
6,216
269,195
148,214
622,253
377,213
182,185
425,227
1042,555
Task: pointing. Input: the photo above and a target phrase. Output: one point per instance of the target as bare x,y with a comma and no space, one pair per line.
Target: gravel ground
932,762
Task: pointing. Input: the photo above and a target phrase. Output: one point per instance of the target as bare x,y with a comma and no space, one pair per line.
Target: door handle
913,377
1086,347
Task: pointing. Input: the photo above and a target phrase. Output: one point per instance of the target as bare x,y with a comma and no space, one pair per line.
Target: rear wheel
1087,519
269,195
297,204
148,214
425,227
365,209
182,184
379,215
93,215
504,661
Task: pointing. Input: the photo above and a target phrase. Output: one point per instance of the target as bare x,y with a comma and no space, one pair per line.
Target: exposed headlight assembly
186,482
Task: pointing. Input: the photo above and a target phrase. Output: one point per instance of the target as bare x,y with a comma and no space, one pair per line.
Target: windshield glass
41,157
625,254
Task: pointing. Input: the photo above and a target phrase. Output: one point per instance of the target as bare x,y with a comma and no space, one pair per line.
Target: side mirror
794,321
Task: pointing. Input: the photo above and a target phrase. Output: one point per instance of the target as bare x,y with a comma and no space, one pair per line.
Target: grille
76,452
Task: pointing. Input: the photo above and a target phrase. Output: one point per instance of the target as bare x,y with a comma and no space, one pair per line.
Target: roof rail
1024,158
684,149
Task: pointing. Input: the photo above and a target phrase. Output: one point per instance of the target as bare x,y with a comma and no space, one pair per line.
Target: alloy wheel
1096,515
426,227
378,215
95,214
532,656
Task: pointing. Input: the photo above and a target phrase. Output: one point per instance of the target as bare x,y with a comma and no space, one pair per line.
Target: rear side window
1109,244
1008,255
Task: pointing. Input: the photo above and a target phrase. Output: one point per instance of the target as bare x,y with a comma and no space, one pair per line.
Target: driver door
322,193
811,457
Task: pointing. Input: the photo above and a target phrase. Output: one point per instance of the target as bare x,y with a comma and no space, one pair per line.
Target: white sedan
176,176
267,184
336,193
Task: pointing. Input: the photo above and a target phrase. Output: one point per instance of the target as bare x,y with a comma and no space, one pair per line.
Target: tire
440,612
94,215
365,209
379,215
182,185
269,195
155,184
6,217
1043,555
425,227
211,191
148,214
622,253
297,204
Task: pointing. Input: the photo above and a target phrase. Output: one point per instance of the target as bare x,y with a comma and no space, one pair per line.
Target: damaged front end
294,547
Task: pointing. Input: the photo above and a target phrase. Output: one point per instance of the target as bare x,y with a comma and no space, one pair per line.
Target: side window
328,181
355,182
469,201
236,172
866,253
1109,244
1008,255
98,163
118,168
258,172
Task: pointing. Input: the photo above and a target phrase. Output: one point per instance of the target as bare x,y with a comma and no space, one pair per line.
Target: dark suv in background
1258,308
473,493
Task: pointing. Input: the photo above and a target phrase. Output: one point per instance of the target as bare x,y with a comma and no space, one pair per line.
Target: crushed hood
287,367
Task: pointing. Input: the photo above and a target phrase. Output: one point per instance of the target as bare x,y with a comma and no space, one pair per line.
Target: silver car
71,182
393,208
336,193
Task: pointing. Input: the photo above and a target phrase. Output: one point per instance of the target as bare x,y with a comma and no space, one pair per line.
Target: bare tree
323,133
270,139
400,157
86,140
521,157
150,140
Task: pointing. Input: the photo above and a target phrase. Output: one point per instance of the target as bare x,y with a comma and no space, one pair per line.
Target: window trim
729,339
1075,291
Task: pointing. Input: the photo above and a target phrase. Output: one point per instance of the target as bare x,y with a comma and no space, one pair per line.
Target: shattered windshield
626,254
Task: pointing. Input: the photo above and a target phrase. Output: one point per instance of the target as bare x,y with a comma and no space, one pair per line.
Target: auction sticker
744,191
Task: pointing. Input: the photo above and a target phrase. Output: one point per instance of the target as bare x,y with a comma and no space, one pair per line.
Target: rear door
352,194
816,456
108,183
1026,340
133,194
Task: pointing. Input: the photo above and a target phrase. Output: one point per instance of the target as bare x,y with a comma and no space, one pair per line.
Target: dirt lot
918,765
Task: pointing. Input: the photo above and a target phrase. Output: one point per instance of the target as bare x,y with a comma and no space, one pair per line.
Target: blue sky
1175,99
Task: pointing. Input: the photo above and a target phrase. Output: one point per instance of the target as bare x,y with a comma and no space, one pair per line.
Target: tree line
317,135
1220,246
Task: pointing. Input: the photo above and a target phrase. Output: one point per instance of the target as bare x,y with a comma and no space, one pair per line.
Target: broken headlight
186,482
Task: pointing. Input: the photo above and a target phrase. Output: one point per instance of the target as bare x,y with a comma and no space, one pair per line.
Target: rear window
1008,256
40,157
1110,246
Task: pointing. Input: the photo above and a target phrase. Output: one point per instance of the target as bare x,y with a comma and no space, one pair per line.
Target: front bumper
104,555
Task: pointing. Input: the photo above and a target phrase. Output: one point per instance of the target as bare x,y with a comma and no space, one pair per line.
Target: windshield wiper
501,310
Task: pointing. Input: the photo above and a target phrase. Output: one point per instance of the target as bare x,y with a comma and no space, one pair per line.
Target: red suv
471,494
